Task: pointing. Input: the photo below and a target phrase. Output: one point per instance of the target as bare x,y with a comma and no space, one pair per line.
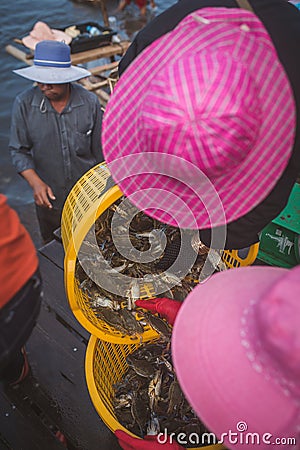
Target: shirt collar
74,101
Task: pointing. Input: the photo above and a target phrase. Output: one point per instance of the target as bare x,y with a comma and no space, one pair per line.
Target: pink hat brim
213,369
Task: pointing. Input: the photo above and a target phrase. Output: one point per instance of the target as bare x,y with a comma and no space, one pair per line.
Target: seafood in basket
148,399
126,256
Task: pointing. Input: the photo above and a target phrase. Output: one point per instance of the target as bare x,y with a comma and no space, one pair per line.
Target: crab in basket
127,256
148,398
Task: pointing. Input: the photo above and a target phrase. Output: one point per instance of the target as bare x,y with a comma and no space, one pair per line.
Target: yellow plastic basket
82,202
232,258
105,365
85,203
88,199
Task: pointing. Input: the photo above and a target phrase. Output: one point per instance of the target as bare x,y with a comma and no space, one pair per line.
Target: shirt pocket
83,142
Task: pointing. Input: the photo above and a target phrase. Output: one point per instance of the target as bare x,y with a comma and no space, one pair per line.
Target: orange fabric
18,258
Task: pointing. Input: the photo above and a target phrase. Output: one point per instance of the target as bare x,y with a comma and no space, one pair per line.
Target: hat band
45,62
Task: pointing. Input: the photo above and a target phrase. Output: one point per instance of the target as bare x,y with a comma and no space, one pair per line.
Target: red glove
148,443
166,307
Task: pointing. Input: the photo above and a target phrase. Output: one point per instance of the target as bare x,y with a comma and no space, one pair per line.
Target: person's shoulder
27,95
276,11
84,93
81,90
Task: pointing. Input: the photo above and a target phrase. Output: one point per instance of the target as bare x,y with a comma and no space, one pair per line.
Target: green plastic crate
280,240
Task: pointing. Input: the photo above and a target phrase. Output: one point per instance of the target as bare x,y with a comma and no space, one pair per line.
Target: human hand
166,307
128,442
42,193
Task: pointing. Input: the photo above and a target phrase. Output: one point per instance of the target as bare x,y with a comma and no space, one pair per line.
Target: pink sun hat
205,113
236,352
42,32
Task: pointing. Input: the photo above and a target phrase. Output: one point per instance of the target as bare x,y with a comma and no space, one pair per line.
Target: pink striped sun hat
201,125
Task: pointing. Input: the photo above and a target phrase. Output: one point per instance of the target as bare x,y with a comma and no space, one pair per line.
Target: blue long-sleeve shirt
60,147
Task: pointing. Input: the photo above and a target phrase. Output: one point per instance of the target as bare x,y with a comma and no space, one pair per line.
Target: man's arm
20,150
41,191
20,142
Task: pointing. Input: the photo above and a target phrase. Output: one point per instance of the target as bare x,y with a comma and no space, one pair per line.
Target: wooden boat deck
54,397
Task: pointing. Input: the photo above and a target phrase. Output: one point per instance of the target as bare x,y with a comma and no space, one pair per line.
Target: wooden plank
54,251
20,427
104,68
101,52
94,86
57,360
19,54
54,295
103,96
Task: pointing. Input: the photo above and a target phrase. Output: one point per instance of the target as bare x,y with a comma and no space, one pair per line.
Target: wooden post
104,12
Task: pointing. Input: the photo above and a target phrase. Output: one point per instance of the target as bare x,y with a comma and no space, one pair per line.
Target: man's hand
166,307
41,191
148,443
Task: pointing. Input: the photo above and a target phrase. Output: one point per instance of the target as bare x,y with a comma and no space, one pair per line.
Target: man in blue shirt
55,131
